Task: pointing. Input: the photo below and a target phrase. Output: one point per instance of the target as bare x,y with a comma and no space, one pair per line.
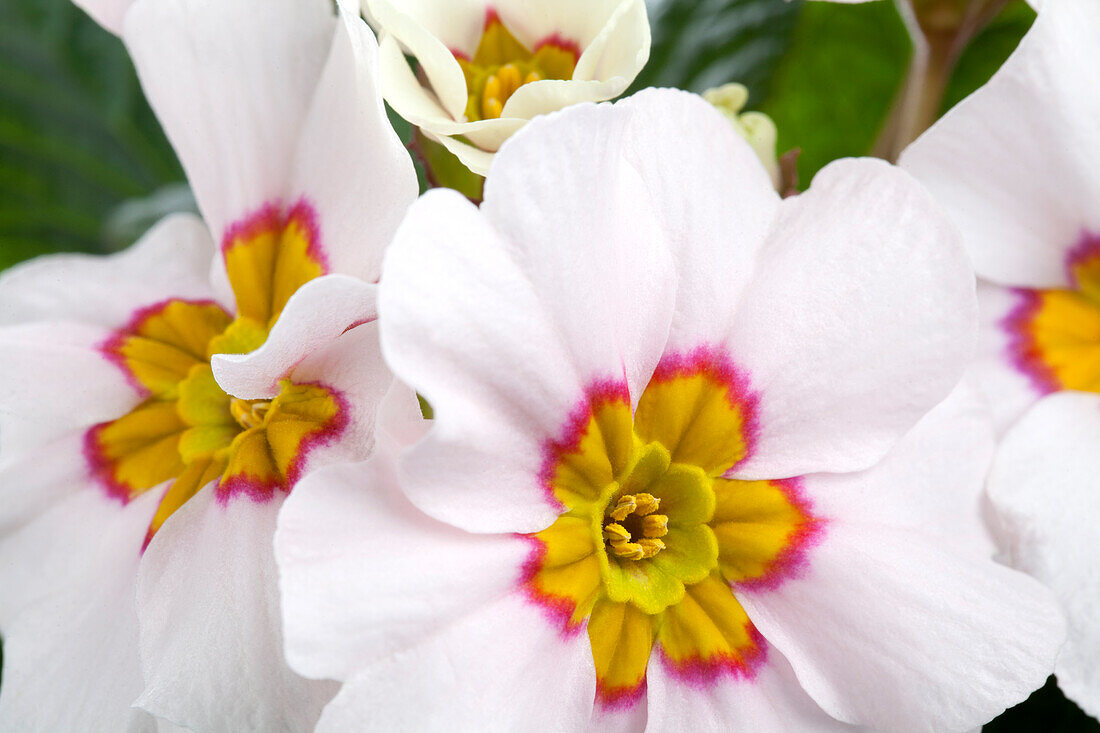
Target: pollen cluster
633,531
502,65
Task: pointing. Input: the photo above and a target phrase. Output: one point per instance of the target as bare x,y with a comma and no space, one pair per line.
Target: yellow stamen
510,79
491,108
616,533
532,76
624,508
647,504
655,525
650,547
628,550
249,414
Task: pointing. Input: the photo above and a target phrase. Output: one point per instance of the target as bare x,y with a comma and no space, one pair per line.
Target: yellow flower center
1055,334
188,432
631,528
502,64
653,539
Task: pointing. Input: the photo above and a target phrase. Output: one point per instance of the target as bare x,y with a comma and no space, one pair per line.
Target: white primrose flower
1017,165
654,494
488,66
141,468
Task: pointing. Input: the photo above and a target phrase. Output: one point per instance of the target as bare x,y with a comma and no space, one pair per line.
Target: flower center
653,539
1054,335
632,529
188,432
502,64
249,413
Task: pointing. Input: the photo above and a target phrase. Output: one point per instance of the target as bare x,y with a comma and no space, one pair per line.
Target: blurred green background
84,166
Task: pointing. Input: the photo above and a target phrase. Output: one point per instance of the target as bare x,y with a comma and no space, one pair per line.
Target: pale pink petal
713,201
54,380
859,320
933,480
349,163
352,367
232,86
364,574
1016,164
498,669
172,260
771,700
503,336
210,626
68,619
887,629
34,480
108,13
997,371
1045,488
315,315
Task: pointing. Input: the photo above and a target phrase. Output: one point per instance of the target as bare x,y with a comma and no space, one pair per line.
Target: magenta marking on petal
793,560
621,698
272,217
701,673
1021,349
1088,248
716,361
111,347
599,393
260,490
101,468
557,609
360,322
556,40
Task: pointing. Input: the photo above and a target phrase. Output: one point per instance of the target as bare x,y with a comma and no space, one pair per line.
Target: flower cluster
631,443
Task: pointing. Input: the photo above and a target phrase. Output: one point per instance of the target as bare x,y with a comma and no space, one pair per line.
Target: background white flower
115,431
1017,166
488,67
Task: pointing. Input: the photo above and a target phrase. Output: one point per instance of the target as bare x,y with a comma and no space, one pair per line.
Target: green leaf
442,168
834,89
77,137
988,51
706,43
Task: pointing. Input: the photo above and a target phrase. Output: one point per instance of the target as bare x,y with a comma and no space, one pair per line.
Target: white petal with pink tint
232,88
716,231
349,163
210,626
70,631
317,313
1045,488
859,319
499,668
343,612
891,610
933,480
172,260
54,379
773,700
1016,164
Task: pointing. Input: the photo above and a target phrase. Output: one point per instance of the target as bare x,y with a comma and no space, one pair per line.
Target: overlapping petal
70,632
859,319
1043,489
891,610
208,611
1015,164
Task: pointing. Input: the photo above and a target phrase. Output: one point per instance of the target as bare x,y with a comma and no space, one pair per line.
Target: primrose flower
1017,165
157,405
647,497
487,67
